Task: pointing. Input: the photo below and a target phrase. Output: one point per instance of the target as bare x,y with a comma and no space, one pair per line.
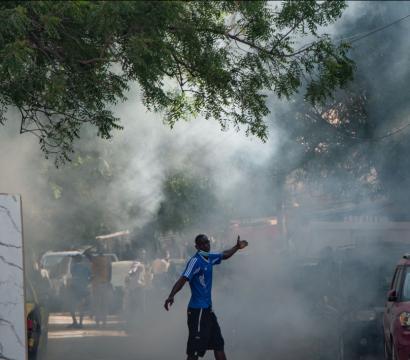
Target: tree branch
93,61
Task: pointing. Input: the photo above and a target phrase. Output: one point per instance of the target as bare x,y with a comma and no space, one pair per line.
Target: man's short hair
201,237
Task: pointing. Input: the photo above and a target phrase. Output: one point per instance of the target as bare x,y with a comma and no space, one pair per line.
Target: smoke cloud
261,305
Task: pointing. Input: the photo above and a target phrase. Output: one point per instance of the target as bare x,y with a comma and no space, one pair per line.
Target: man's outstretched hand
177,286
168,303
241,244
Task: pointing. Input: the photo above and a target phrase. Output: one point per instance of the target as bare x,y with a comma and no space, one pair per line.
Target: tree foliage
74,204
64,64
188,201
332,147
355,145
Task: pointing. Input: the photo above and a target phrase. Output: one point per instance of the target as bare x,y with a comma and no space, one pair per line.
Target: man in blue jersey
204,331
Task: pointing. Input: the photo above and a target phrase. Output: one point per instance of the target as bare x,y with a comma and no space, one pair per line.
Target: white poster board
12,306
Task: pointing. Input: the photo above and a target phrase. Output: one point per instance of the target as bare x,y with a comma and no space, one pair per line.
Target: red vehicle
396,318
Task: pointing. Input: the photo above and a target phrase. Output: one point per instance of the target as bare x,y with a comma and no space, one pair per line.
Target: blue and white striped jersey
198,271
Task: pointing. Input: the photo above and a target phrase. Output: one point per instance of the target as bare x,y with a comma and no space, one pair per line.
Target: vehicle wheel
32,355
33,338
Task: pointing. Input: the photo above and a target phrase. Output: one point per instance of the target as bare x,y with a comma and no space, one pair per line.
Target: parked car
56,266
37,324
396,318
344,293
362,290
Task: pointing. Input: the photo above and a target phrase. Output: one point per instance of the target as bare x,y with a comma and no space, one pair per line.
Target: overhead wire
379,29
354,39
404,127
357,37
363,33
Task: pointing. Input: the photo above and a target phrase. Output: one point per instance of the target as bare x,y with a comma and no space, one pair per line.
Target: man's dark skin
204,245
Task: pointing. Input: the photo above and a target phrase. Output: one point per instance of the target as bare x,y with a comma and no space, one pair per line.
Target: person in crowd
101,270
148,273
78,289
134,293
160,277
161,264
204,331
127,253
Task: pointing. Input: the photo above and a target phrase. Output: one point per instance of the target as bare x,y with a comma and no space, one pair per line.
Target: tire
33,355
35,335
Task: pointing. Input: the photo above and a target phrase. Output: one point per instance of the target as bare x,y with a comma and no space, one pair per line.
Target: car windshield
52,260
366,290
406,285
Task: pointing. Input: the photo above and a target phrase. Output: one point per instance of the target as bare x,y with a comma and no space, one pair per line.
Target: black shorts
204,332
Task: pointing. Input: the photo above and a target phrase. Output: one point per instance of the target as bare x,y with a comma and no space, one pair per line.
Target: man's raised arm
240,244
177,287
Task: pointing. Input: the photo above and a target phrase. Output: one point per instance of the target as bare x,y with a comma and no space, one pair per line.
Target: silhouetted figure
78,289
101,270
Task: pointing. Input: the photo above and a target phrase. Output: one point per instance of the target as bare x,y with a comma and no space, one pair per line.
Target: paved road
159,340
105,343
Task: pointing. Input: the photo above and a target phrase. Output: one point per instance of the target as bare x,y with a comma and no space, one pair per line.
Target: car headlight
404,319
